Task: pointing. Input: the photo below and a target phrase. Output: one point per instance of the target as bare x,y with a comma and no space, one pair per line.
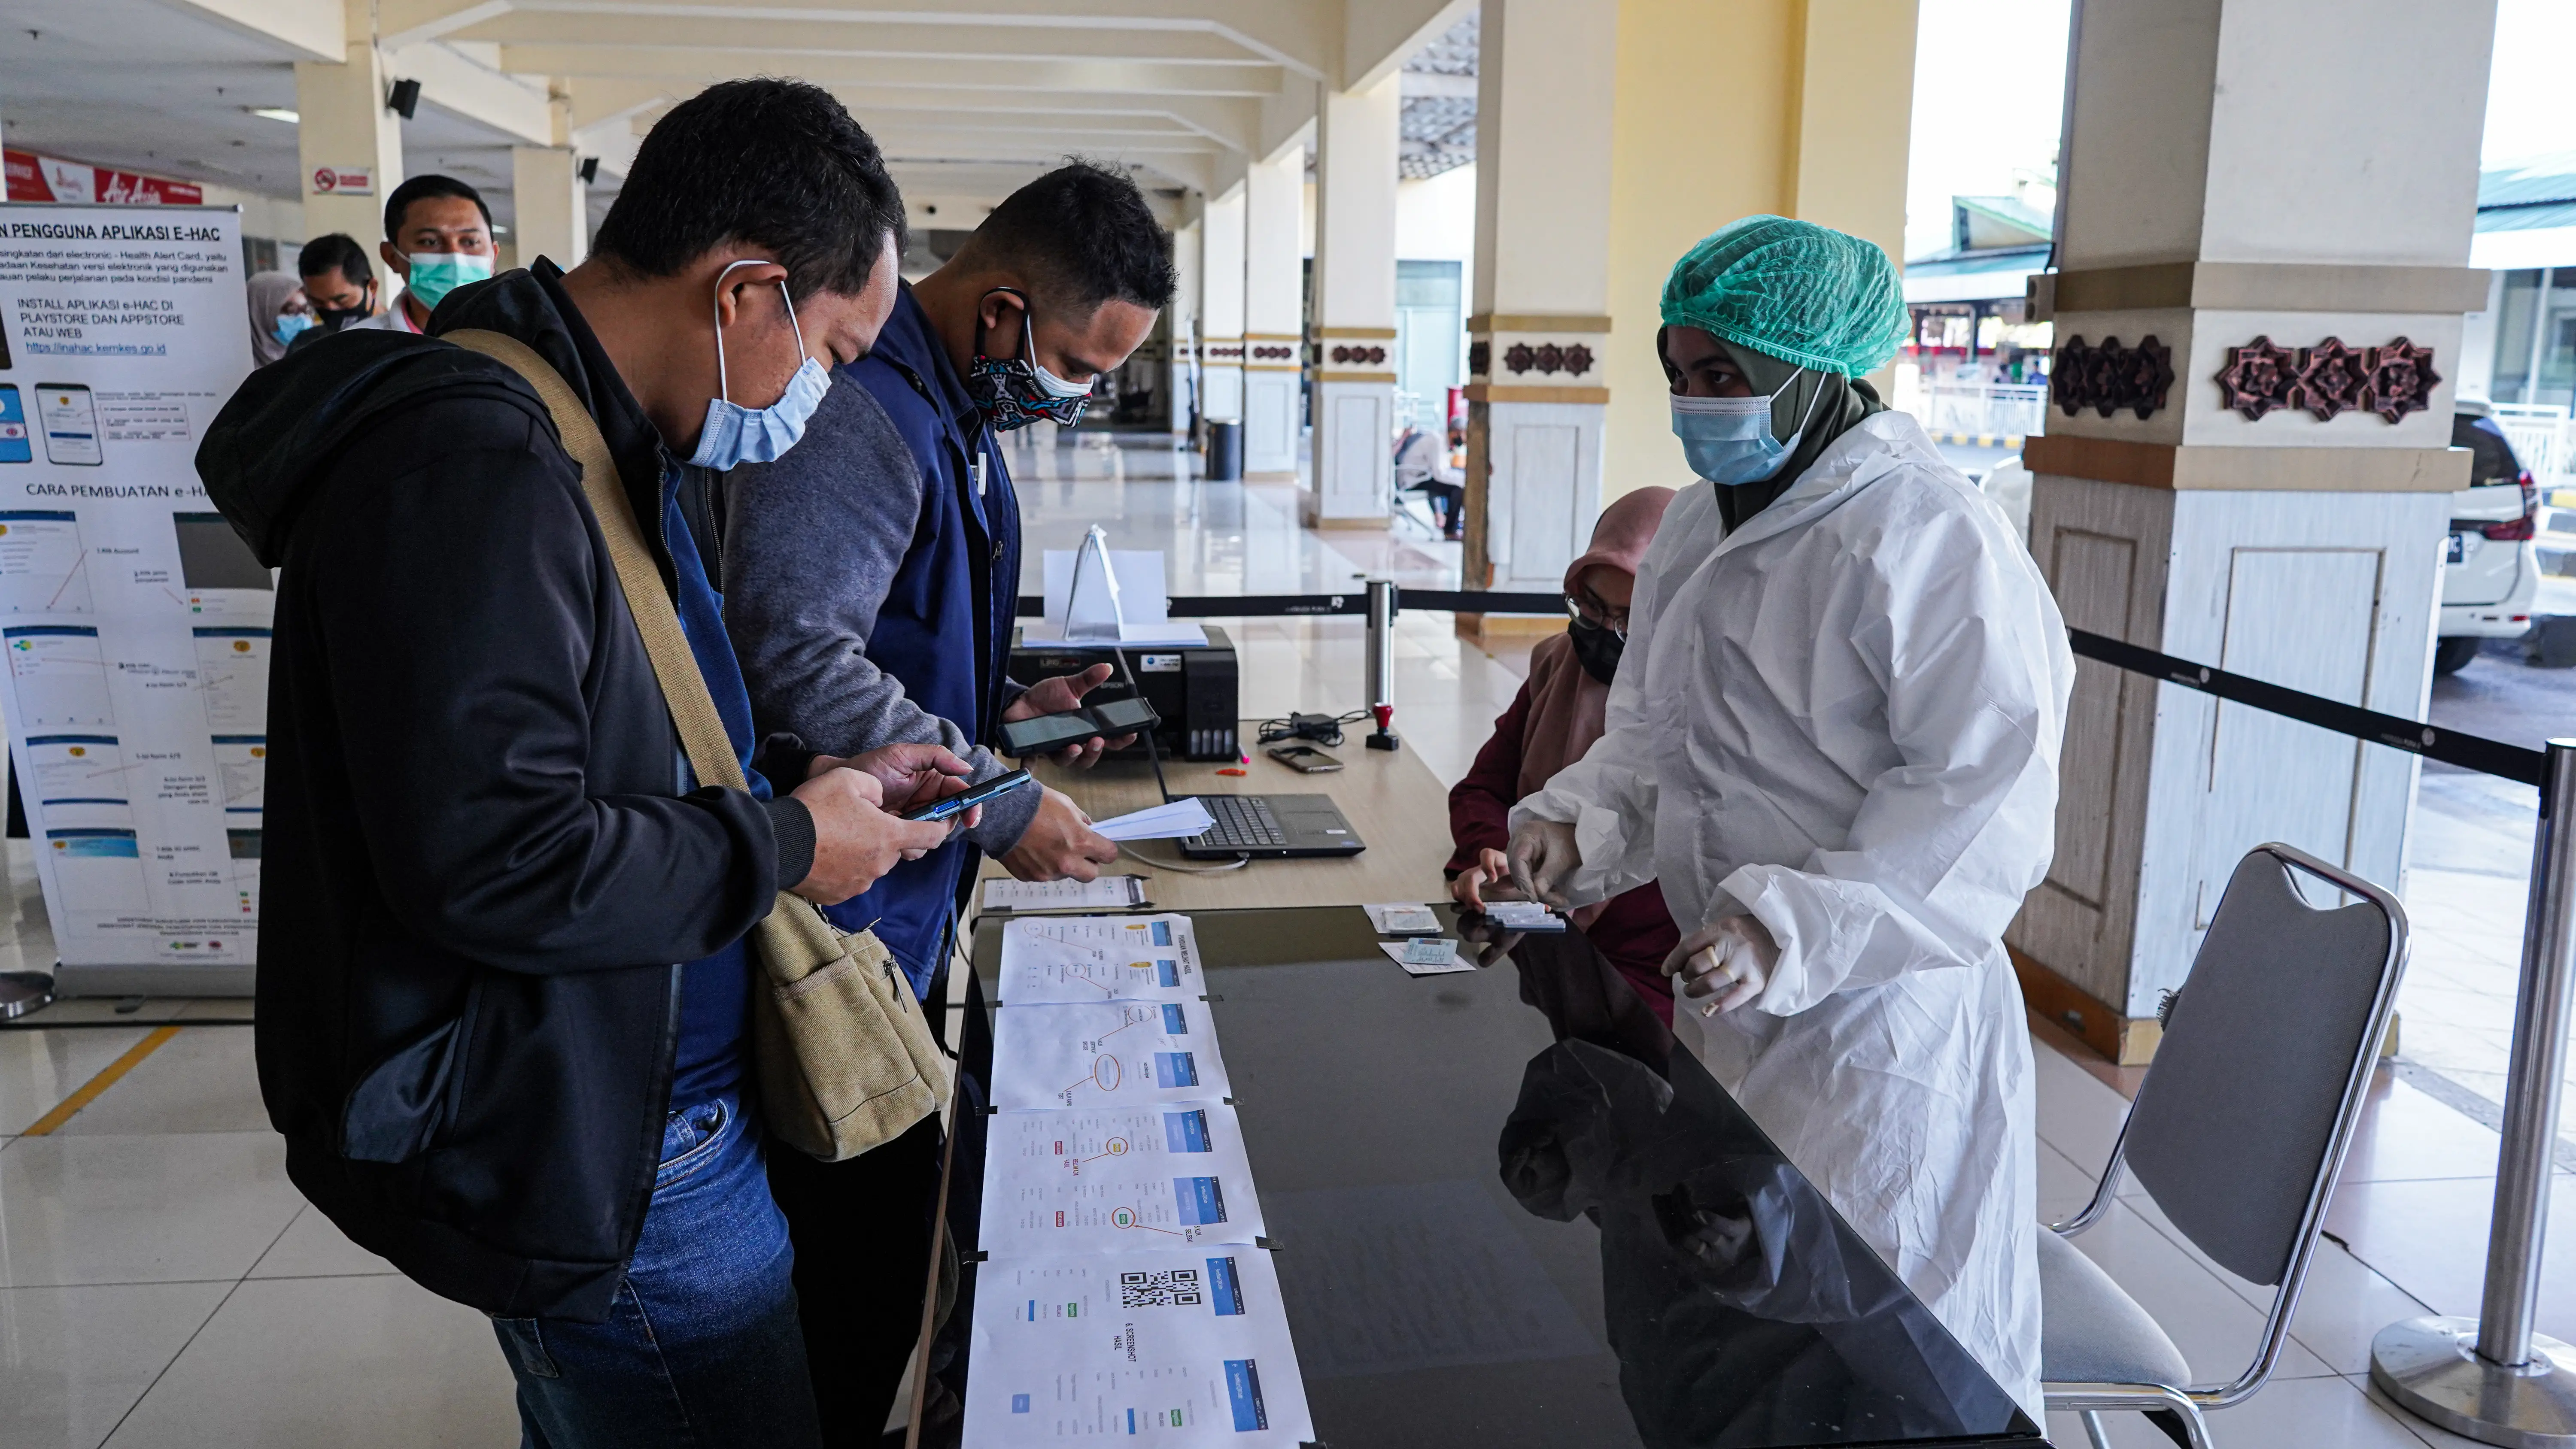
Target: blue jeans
702,1345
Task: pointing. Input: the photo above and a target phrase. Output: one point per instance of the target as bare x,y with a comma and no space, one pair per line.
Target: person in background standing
279,314
438,237
339,284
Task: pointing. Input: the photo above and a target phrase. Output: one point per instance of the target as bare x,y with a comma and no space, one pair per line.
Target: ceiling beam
455,83
709,65
1380,35
1304,36
310,29
1228,123
902,139
838,35
607,100
409,22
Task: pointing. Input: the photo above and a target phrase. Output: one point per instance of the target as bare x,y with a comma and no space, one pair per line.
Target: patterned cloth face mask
1013,392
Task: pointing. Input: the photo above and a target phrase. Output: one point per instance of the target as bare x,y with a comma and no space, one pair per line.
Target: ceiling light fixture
276,113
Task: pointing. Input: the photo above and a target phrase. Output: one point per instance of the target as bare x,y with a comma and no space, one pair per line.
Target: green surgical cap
1793,290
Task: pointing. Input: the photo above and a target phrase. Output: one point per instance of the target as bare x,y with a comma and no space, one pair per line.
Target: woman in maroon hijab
1552,721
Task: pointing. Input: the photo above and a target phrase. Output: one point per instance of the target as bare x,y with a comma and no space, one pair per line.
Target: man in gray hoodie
871,577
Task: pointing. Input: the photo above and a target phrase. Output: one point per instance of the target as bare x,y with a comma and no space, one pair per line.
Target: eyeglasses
1588,610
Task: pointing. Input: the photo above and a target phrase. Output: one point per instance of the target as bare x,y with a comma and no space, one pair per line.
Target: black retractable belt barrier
1258,606
2469,752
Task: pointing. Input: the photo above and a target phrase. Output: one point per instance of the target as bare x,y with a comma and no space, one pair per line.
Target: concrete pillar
553,206
1355,161
1221,306
1538,333
1274,313
1184,323
2206,216
345,134
1819,108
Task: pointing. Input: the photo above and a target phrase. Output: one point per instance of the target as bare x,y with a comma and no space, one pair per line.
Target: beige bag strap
684,690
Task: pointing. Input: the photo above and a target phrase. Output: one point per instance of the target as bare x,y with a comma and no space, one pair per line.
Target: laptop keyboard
1242,822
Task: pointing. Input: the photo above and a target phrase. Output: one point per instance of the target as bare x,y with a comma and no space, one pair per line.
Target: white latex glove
1543,856
1731,958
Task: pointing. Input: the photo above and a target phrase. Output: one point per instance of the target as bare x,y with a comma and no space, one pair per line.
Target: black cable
1317,728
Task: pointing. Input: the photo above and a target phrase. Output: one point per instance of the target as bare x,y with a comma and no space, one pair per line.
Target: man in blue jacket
871,578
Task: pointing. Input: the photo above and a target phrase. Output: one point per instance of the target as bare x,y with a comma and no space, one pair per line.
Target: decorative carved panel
1345,353
1480,358
2110,376
2401,379
2259,376
2329,379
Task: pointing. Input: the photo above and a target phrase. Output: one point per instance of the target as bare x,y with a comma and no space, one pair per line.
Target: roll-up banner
135,622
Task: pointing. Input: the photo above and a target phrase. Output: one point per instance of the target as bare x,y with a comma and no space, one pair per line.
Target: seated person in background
1425,460
1552,721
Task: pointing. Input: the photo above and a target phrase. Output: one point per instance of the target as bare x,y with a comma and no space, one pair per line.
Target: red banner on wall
47,178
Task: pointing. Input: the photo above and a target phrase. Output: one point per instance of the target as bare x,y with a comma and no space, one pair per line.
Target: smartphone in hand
968,798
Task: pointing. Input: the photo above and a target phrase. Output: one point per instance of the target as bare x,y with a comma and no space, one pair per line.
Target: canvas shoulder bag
840,1049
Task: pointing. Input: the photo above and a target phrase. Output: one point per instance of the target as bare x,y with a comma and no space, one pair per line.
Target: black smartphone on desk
1304,759
1108,719
966,799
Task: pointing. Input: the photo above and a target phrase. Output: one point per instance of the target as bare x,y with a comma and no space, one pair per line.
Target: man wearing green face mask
438,237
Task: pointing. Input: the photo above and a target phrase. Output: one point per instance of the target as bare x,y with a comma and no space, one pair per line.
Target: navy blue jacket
944,628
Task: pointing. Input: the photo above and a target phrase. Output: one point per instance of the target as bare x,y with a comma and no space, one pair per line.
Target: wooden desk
1399,808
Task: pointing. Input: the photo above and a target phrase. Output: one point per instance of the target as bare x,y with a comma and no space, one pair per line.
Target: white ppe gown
1844,720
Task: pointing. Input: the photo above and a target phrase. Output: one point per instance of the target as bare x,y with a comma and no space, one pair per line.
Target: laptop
1258,827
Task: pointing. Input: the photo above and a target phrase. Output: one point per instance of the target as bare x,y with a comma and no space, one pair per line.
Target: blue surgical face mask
735,434
1728,441
290,325
435,274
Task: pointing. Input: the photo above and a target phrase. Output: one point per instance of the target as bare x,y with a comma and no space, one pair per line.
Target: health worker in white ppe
1833,738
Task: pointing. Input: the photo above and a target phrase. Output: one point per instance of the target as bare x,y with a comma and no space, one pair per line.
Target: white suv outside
2493,574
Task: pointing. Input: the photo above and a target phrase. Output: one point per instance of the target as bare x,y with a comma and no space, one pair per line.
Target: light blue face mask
1728,441
735,434
435,274
290,325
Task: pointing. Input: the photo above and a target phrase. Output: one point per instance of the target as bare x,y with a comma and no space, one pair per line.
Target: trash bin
1225,450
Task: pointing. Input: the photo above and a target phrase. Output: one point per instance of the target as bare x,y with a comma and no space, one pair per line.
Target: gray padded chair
2237,1134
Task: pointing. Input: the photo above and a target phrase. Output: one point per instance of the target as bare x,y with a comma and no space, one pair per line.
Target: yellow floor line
89,1091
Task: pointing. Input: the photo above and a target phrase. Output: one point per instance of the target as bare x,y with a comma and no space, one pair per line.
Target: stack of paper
1126,1289
1109,893
1178,820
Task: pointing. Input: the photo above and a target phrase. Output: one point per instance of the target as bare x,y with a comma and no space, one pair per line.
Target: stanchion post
2494,1378
1381,662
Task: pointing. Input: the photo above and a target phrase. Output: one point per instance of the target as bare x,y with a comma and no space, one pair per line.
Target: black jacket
479,868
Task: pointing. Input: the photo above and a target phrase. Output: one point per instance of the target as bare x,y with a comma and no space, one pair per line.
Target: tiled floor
162,1283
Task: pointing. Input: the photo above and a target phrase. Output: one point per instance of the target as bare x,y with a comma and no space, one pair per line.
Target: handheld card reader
966,799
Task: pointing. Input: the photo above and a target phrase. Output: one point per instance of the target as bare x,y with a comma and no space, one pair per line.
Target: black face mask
1596,648
333,319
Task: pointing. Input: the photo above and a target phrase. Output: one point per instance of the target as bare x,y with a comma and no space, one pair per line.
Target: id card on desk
1426,956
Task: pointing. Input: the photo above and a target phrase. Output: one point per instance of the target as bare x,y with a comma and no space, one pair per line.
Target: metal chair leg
2093,1430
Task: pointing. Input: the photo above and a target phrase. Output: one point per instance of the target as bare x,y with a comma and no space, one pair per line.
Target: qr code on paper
1172,1288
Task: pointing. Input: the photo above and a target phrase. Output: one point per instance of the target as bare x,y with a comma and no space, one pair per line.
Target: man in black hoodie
502,982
